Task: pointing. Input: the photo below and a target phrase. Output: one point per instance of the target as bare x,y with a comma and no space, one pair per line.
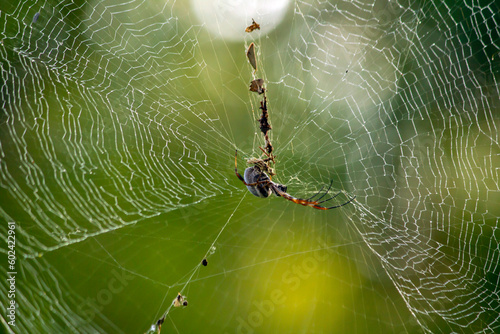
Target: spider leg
236,167
296,200
312,204
338,206
264,152
270,156
328,199
319,192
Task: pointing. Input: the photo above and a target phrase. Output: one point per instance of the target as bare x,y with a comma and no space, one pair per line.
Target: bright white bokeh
227,19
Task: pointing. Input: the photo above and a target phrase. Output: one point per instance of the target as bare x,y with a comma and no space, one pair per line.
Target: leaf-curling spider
260,185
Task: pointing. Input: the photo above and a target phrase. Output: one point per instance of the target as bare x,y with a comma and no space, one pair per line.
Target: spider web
118,128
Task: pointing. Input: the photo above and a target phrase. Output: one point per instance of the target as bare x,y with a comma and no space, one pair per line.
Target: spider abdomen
253,175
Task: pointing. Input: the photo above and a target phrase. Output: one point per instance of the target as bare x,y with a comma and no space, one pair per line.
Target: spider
259,184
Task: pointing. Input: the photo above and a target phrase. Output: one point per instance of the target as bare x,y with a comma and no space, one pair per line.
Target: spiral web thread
118,127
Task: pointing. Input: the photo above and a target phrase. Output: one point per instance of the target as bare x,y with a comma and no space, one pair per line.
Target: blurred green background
118,129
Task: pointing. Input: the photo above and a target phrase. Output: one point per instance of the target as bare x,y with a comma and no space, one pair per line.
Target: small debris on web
253,26
159,323
180,300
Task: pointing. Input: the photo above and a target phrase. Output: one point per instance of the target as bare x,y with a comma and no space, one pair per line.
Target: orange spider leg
269,156
312,204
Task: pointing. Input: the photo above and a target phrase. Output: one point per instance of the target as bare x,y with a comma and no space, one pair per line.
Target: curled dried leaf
257,86
251,56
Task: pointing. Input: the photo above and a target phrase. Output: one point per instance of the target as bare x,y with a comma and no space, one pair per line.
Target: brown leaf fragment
257,86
